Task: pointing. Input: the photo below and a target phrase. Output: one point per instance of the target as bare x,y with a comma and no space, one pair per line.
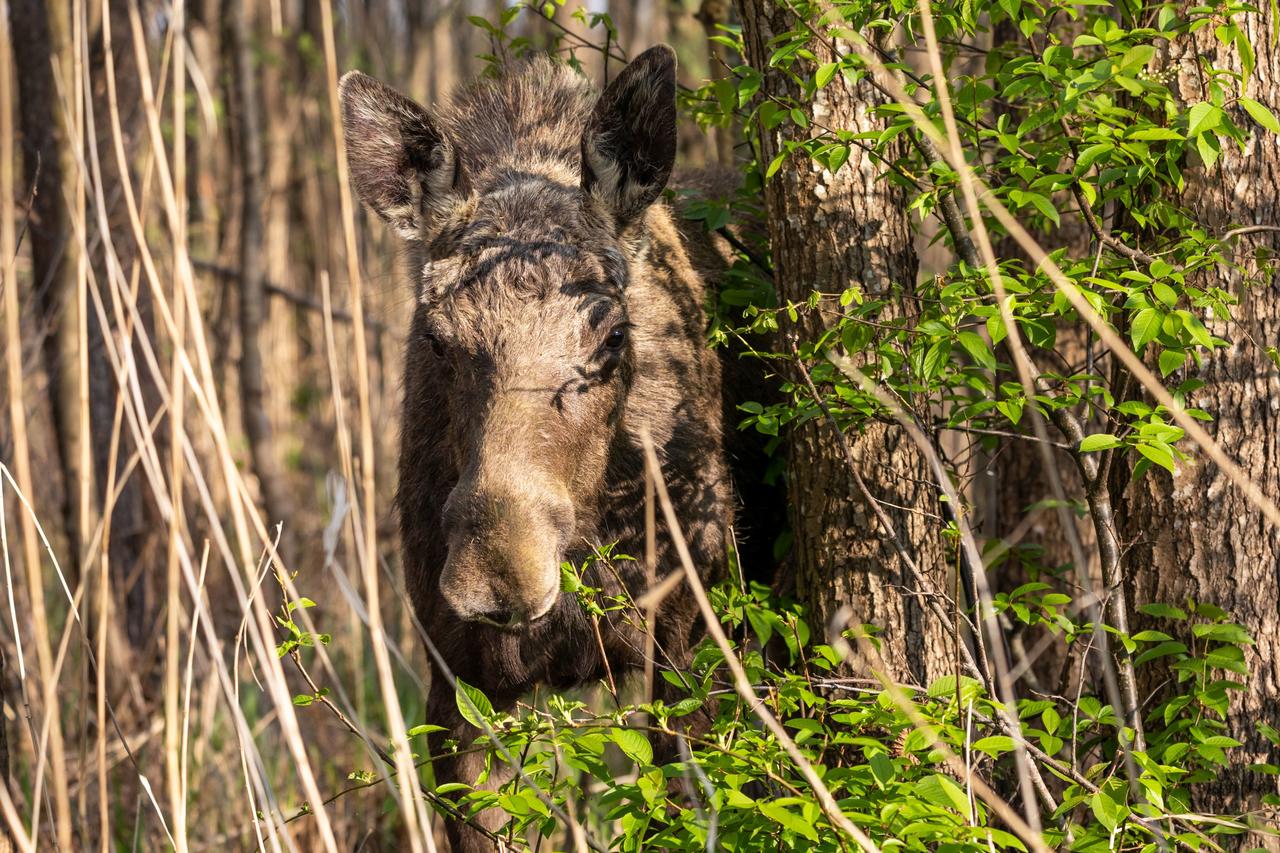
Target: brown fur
529,209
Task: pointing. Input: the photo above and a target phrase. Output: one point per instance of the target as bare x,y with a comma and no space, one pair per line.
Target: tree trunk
44,36
713,14
136,530
1194,535
253,307
830,232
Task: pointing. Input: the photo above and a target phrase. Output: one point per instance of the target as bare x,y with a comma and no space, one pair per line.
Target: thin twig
1249,229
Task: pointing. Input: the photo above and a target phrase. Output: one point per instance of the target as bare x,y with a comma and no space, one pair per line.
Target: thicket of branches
1006,268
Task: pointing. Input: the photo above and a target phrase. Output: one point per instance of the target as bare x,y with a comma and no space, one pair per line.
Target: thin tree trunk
713,14
44,39
136,533
830,232
253,307
1193,535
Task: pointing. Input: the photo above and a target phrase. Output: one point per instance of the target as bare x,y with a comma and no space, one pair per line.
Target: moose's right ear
402,166
629,145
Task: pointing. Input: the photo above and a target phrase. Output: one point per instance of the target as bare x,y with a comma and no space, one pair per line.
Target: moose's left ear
629,145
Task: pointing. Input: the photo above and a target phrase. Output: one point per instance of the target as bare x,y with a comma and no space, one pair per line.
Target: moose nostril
499,618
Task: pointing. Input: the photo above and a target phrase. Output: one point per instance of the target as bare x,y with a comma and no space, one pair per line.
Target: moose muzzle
506,543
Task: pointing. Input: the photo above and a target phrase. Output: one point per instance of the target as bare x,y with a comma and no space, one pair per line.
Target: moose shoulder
557,317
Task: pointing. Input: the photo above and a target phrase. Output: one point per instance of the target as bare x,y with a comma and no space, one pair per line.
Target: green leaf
882,769
838,157
1159,454
1105,810
452,787
473,705
1011,409
1202,117
824,74
1208,149
1261,114
776,163
806,727
1099,441
976,346
1171,360
943,685
789,820
1162,611
634,744
1230,658
1145,326
1046,207
994,745
934,359
997,330
1137,56
726,92
1091,154
941,791
1156,134
1164,292
1161,650
1223,634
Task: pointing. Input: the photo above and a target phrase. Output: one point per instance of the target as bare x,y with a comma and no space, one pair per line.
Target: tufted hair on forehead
531,268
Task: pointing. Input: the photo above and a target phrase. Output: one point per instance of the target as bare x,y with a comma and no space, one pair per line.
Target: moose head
523,243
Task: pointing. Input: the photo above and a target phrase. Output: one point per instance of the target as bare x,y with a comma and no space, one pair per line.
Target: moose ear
403,167
629,145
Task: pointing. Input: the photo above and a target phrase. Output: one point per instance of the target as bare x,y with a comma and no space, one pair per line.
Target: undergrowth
902,760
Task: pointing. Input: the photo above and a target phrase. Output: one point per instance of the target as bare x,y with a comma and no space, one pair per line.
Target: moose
558,317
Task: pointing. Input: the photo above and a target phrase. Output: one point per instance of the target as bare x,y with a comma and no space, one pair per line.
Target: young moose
558,315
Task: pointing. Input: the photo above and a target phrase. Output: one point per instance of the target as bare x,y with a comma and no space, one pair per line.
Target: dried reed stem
176,784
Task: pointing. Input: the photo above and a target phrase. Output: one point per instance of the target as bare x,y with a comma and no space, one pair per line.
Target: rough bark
1194,535
830,232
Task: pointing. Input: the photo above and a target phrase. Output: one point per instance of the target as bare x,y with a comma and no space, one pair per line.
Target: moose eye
616,340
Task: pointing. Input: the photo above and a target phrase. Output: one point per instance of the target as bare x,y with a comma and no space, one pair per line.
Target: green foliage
1072,119
1085,133
297,638
884,761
